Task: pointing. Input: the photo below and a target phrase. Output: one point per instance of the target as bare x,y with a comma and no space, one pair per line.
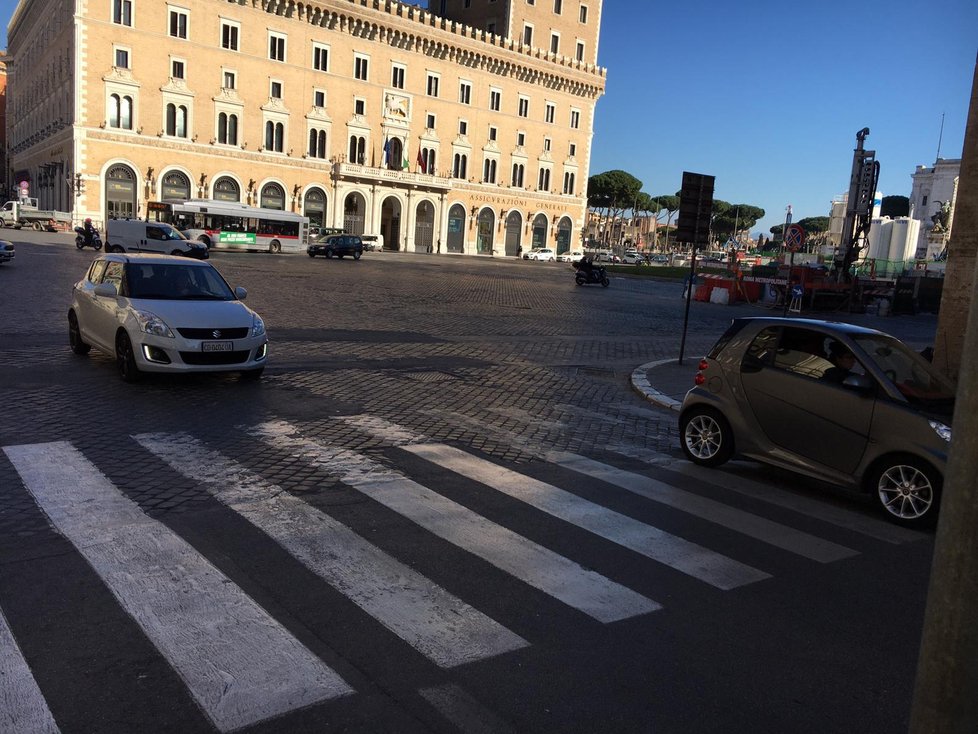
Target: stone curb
641,384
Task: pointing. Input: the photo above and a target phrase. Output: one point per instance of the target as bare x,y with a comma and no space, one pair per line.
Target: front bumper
179,355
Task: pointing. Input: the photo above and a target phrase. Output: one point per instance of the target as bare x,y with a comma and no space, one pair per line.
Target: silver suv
841,403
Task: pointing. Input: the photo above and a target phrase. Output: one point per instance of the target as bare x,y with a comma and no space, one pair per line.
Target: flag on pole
421,162
387,151
407,161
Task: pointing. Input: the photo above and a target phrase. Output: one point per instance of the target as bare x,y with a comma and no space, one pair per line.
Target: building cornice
411,28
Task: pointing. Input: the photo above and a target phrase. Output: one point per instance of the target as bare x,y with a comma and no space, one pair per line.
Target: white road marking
537,566
647,540
463,711
239,664
767,531
437,624
22,705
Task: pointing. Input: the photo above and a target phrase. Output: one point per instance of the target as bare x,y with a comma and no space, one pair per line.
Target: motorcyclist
586,266
89,231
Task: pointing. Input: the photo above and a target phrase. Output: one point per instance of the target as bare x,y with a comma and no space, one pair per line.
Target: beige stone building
465,128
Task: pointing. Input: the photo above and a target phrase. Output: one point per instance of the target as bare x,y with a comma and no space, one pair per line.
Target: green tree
730,219
614,192
666,205
895,206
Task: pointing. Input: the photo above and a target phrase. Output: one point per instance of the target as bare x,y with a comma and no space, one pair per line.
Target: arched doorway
564,229
272,197
175,186
354,207
395,154
120,193
390,223
514,232
226,189
456,229
540,230
424,227
314,206
486,224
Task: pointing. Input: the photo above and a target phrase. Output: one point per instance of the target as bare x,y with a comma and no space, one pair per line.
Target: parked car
633,258
337,244
7,251
544,254
161,313
570,257
778,390
659,260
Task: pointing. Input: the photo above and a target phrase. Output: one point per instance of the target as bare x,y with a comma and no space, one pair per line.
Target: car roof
836,326
153,259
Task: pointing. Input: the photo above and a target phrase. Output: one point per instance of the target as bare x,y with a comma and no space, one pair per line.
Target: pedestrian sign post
794,238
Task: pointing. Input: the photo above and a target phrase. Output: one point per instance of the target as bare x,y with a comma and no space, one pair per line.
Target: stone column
959,283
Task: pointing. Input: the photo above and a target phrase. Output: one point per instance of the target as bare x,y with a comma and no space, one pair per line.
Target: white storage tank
903,239
878,240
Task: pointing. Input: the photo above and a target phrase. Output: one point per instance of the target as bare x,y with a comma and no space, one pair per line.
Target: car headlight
152,324
257,325
941,430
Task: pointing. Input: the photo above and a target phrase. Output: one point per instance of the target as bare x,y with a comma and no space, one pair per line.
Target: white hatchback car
161,313
544,254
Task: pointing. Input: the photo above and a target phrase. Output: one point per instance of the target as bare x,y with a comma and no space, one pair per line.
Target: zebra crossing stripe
533,564
768,531
22,705
437,624
239,664
651,542
463,711
678,553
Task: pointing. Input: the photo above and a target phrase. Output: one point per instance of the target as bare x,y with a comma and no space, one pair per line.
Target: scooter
80,242
594,274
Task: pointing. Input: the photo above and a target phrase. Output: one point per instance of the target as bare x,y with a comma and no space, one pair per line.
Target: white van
372,242
135,235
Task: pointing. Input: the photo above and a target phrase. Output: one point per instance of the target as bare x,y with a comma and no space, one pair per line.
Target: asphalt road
443,509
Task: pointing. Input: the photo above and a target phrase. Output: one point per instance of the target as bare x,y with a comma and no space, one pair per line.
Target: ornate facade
443,132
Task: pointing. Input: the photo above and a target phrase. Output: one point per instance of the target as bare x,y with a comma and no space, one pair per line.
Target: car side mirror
106,289
241,293
860,383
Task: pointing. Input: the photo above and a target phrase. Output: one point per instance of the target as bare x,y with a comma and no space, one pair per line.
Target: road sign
794,237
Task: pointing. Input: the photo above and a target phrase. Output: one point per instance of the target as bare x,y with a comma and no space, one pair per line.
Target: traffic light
695,209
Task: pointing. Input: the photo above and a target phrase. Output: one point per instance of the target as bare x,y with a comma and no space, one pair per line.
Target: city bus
226,225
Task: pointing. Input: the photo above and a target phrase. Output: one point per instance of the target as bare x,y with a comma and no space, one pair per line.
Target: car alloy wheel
706,437
126,358
78,345
908,490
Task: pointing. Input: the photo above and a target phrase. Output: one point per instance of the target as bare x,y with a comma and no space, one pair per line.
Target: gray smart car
841,403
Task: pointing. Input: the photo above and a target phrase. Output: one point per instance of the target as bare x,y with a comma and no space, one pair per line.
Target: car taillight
703,364
699,379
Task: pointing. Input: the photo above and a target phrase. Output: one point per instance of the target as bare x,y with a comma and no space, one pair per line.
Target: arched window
317,143
358,149
176,120
568,183
113,110
489,171
274,136
517,179
120,112
227,129
459,165
226,189
428,160
543,182
272,197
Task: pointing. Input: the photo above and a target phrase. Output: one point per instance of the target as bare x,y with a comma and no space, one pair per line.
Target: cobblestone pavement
513,363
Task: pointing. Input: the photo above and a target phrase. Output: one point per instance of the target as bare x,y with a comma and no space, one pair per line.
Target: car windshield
911,374
176,282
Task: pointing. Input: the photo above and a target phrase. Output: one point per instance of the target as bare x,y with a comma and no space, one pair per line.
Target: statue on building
942,217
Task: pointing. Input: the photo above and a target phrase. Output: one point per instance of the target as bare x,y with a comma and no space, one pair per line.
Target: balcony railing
403,178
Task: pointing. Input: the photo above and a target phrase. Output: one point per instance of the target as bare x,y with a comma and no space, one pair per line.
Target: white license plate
217,346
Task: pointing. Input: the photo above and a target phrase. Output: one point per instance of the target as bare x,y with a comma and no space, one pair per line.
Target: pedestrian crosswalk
241,664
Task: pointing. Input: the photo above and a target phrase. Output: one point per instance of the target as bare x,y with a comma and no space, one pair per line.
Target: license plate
217,346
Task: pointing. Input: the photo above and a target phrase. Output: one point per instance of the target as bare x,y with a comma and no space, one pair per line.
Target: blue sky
768,96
